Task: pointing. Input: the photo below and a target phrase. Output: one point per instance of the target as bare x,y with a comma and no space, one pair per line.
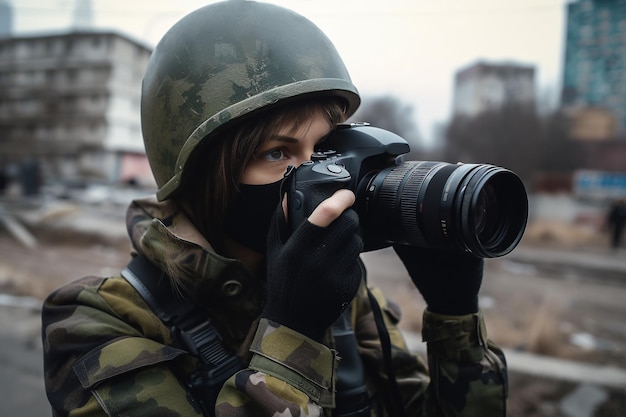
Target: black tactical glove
448,281
314,275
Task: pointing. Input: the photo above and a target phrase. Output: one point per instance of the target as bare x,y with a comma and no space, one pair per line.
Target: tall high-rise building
6,18
594,70
83,15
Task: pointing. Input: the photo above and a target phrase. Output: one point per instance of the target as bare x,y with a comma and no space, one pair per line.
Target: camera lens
474,208
487,215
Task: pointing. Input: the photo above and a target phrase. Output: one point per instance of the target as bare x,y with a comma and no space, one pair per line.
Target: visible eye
274,154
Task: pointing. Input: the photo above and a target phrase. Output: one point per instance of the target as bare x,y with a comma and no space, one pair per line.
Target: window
71,74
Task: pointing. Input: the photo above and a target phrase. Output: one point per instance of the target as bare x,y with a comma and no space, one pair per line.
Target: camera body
350,153
475,208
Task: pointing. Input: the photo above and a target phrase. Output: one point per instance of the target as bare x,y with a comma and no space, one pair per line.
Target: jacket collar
162,233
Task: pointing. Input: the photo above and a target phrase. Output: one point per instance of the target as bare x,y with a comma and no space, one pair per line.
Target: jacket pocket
121,356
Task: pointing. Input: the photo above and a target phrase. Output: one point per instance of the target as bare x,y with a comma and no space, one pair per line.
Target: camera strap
396,404
190,327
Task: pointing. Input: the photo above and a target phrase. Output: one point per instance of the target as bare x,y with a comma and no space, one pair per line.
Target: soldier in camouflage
233,94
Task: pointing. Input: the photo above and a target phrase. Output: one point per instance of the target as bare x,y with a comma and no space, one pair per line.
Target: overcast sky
407,48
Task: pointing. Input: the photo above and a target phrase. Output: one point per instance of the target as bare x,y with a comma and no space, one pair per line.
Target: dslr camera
474,208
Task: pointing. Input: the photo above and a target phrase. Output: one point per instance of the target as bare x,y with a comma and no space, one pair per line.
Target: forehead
313,123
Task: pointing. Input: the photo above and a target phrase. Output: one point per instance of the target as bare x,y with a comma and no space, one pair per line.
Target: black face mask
248,221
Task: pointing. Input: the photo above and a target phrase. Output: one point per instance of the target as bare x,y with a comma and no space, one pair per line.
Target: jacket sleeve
103,354
466,373
289,374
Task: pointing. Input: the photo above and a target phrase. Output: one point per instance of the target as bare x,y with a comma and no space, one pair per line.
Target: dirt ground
568,316
57,260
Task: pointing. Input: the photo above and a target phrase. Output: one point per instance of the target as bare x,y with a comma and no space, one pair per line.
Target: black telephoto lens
475,208
487,214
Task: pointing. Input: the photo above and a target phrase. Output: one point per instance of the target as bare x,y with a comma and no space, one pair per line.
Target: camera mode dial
322,155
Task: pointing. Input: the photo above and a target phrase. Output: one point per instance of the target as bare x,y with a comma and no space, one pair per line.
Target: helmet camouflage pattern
220,64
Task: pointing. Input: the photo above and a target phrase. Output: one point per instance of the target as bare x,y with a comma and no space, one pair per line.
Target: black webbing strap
396,404
190,325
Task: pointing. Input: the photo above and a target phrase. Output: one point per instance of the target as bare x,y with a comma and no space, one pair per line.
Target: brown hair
210,192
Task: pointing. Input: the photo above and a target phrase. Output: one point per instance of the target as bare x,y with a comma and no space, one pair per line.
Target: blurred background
537,86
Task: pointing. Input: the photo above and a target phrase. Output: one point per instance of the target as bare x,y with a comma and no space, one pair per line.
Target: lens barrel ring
433,204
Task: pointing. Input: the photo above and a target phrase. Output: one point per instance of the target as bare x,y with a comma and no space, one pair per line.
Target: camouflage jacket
107,354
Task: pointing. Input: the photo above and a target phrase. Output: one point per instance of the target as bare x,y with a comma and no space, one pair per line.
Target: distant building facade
488,86
71,102
6,19
594,70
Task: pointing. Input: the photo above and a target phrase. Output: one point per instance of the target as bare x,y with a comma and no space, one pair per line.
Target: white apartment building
71,102
488,86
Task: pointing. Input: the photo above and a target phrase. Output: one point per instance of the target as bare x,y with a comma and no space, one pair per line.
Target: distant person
4,180
233,95
617,222
30,176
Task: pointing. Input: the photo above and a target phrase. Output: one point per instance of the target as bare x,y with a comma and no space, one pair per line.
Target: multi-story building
594,71
71,103
489,86
6,18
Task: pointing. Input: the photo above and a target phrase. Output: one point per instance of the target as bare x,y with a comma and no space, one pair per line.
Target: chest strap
190,326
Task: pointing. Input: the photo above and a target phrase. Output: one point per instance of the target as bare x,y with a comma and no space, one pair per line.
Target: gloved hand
448,281
314,275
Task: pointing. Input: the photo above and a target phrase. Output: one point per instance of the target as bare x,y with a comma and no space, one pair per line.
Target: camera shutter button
335,169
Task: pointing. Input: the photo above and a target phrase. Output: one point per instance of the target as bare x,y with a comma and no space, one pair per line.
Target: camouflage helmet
220,64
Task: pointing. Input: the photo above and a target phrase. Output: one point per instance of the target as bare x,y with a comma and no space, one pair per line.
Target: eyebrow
287,139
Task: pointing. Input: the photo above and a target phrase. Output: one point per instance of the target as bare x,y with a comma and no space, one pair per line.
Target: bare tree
559,152
512,137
